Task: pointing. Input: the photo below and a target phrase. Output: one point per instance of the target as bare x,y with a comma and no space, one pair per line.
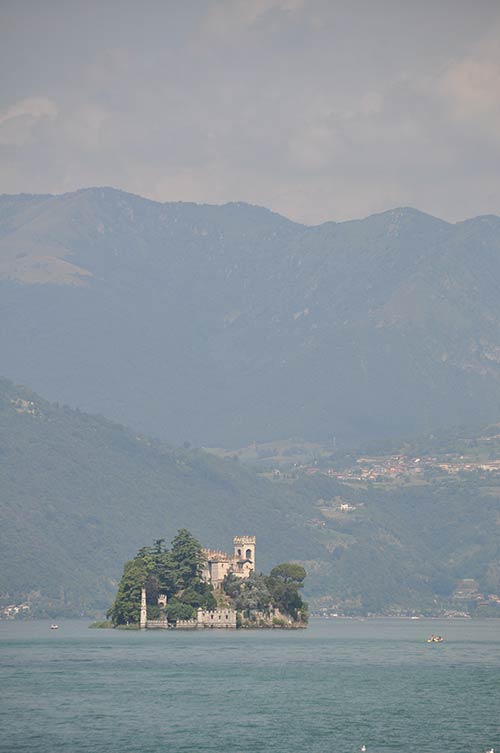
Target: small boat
54,627
435,639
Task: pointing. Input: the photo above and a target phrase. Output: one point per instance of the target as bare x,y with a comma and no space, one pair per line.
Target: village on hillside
291,458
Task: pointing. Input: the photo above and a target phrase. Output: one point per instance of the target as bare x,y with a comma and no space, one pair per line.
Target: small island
188,587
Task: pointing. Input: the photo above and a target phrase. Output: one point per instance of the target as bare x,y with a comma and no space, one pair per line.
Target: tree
187,559
127,604
231,585
177,610
289,572
165,572
254,594
176,573
284,583
159,546
199,597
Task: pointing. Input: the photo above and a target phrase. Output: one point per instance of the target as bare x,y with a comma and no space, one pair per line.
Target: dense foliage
279,590
175,573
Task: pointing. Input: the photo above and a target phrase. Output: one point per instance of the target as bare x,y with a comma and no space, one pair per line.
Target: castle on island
217,565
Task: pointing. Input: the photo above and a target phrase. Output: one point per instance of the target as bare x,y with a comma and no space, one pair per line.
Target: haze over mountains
224,324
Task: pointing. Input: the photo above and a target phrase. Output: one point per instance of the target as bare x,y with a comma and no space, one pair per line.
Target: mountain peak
408,215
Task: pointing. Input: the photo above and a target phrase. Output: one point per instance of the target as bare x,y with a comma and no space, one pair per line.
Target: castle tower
244,549
144,609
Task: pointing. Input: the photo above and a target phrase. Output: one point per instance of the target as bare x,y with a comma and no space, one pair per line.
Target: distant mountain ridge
224,324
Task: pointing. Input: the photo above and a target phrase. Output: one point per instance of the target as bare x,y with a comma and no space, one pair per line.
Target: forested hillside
79,495
224,325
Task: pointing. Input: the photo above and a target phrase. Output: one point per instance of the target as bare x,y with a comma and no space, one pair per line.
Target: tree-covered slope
409,545
221,325
79,495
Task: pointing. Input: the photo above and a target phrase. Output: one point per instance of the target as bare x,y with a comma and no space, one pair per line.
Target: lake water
333,687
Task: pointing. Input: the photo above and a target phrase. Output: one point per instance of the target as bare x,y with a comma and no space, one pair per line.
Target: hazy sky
318,109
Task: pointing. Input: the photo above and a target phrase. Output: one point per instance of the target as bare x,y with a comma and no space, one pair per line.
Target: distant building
219,564
466,589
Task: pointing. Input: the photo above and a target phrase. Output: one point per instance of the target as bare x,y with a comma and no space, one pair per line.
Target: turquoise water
331,688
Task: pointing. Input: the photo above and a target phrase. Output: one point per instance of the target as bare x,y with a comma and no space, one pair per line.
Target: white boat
54,627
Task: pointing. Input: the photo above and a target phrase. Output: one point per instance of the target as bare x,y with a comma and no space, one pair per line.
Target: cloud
473,88
90,127
470,87
19,120
319,109
227,16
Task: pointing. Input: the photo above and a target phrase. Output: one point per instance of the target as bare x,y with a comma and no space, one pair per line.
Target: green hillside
79,495
224,325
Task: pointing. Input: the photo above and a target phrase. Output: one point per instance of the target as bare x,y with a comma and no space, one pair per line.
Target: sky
318,109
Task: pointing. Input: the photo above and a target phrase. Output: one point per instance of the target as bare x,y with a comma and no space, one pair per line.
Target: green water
331,688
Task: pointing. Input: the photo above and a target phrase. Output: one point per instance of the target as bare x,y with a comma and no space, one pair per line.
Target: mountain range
219,325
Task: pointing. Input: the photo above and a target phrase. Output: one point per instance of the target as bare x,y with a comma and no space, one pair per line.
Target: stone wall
216,618
186,625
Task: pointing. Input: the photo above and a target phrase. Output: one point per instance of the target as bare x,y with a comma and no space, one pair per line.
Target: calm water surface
331,688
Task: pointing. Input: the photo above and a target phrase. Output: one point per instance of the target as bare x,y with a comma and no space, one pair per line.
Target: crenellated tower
219,564
244,549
